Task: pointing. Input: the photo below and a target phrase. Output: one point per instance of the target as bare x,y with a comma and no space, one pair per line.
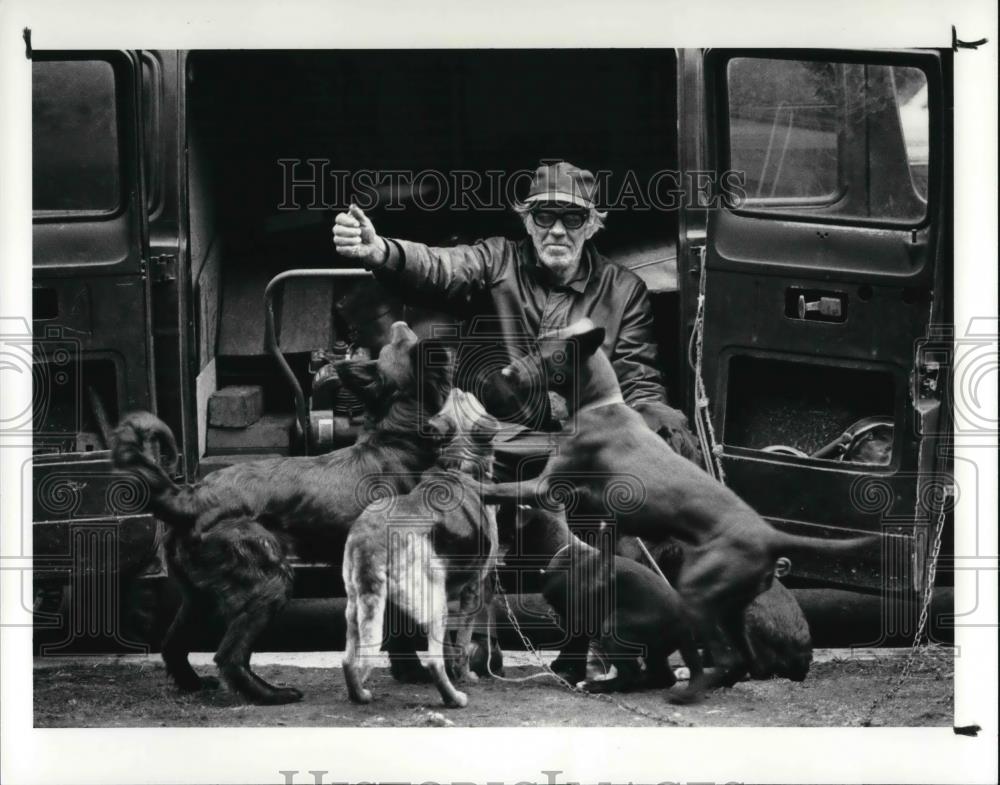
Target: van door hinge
163,268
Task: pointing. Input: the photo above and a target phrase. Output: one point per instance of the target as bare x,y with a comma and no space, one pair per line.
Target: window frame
718,126
121,68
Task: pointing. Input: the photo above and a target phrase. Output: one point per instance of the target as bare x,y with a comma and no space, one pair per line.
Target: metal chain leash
917,646
548,672
713,463
710,449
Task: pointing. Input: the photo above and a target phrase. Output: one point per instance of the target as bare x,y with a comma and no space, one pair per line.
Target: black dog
776,628
625,609
229,536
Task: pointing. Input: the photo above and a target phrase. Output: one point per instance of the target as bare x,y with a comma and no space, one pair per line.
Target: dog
624,609
228,537
613,465
778,635
436,542
776,628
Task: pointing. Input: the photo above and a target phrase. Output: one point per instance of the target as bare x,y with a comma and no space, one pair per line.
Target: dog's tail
784,544
132,452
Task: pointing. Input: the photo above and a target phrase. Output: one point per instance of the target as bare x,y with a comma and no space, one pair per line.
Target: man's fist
354,237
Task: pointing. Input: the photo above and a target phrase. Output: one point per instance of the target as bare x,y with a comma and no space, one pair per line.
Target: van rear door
91,301
92,344
823,269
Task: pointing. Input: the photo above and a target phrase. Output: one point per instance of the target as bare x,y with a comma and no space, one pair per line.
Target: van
789,211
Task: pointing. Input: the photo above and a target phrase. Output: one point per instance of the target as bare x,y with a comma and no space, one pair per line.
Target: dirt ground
136,692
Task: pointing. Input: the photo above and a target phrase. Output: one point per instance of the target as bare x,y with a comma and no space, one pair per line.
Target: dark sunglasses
571,219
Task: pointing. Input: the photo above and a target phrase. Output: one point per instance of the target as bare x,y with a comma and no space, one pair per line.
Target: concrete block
235,407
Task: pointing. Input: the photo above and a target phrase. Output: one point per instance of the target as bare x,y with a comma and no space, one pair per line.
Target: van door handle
824,306
815,305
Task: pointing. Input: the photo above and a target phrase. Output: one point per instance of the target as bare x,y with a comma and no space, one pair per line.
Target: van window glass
911,93
75,136
840,140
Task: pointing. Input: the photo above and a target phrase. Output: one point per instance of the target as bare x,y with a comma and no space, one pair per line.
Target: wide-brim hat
562,182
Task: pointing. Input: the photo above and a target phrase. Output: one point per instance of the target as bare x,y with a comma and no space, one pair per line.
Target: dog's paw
459,701
361,696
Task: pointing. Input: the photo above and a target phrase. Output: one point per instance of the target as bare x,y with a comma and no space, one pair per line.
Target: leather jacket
501,291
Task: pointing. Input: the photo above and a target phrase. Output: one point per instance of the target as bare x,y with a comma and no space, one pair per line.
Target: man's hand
354,237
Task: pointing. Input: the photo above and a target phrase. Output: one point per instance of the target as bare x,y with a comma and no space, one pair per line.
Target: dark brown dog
436,542
612,465
228,537
778,634
625,609
776,628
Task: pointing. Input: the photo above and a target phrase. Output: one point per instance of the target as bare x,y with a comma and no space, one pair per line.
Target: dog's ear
442,427
434,366
362,378
590,341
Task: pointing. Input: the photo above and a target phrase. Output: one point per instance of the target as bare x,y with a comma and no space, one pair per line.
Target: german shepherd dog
228,537
730,551
435,543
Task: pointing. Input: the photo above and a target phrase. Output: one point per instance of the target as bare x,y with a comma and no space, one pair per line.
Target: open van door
92,342
824,262
90,284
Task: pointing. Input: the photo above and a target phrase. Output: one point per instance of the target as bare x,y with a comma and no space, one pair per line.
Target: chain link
548,672
925,606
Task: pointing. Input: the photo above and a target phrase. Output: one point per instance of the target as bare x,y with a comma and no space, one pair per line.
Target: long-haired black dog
228,537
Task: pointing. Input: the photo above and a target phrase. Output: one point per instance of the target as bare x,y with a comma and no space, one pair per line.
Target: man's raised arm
452,273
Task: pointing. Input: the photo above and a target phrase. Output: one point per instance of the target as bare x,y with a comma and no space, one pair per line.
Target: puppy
625,609
418,550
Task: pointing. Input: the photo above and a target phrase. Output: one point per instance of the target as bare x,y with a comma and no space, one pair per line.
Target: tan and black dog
416,551
614,466
228,537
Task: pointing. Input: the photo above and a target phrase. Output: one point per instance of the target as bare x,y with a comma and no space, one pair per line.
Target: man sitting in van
545,281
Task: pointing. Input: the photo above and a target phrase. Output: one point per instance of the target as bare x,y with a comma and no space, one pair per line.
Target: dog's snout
400,332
